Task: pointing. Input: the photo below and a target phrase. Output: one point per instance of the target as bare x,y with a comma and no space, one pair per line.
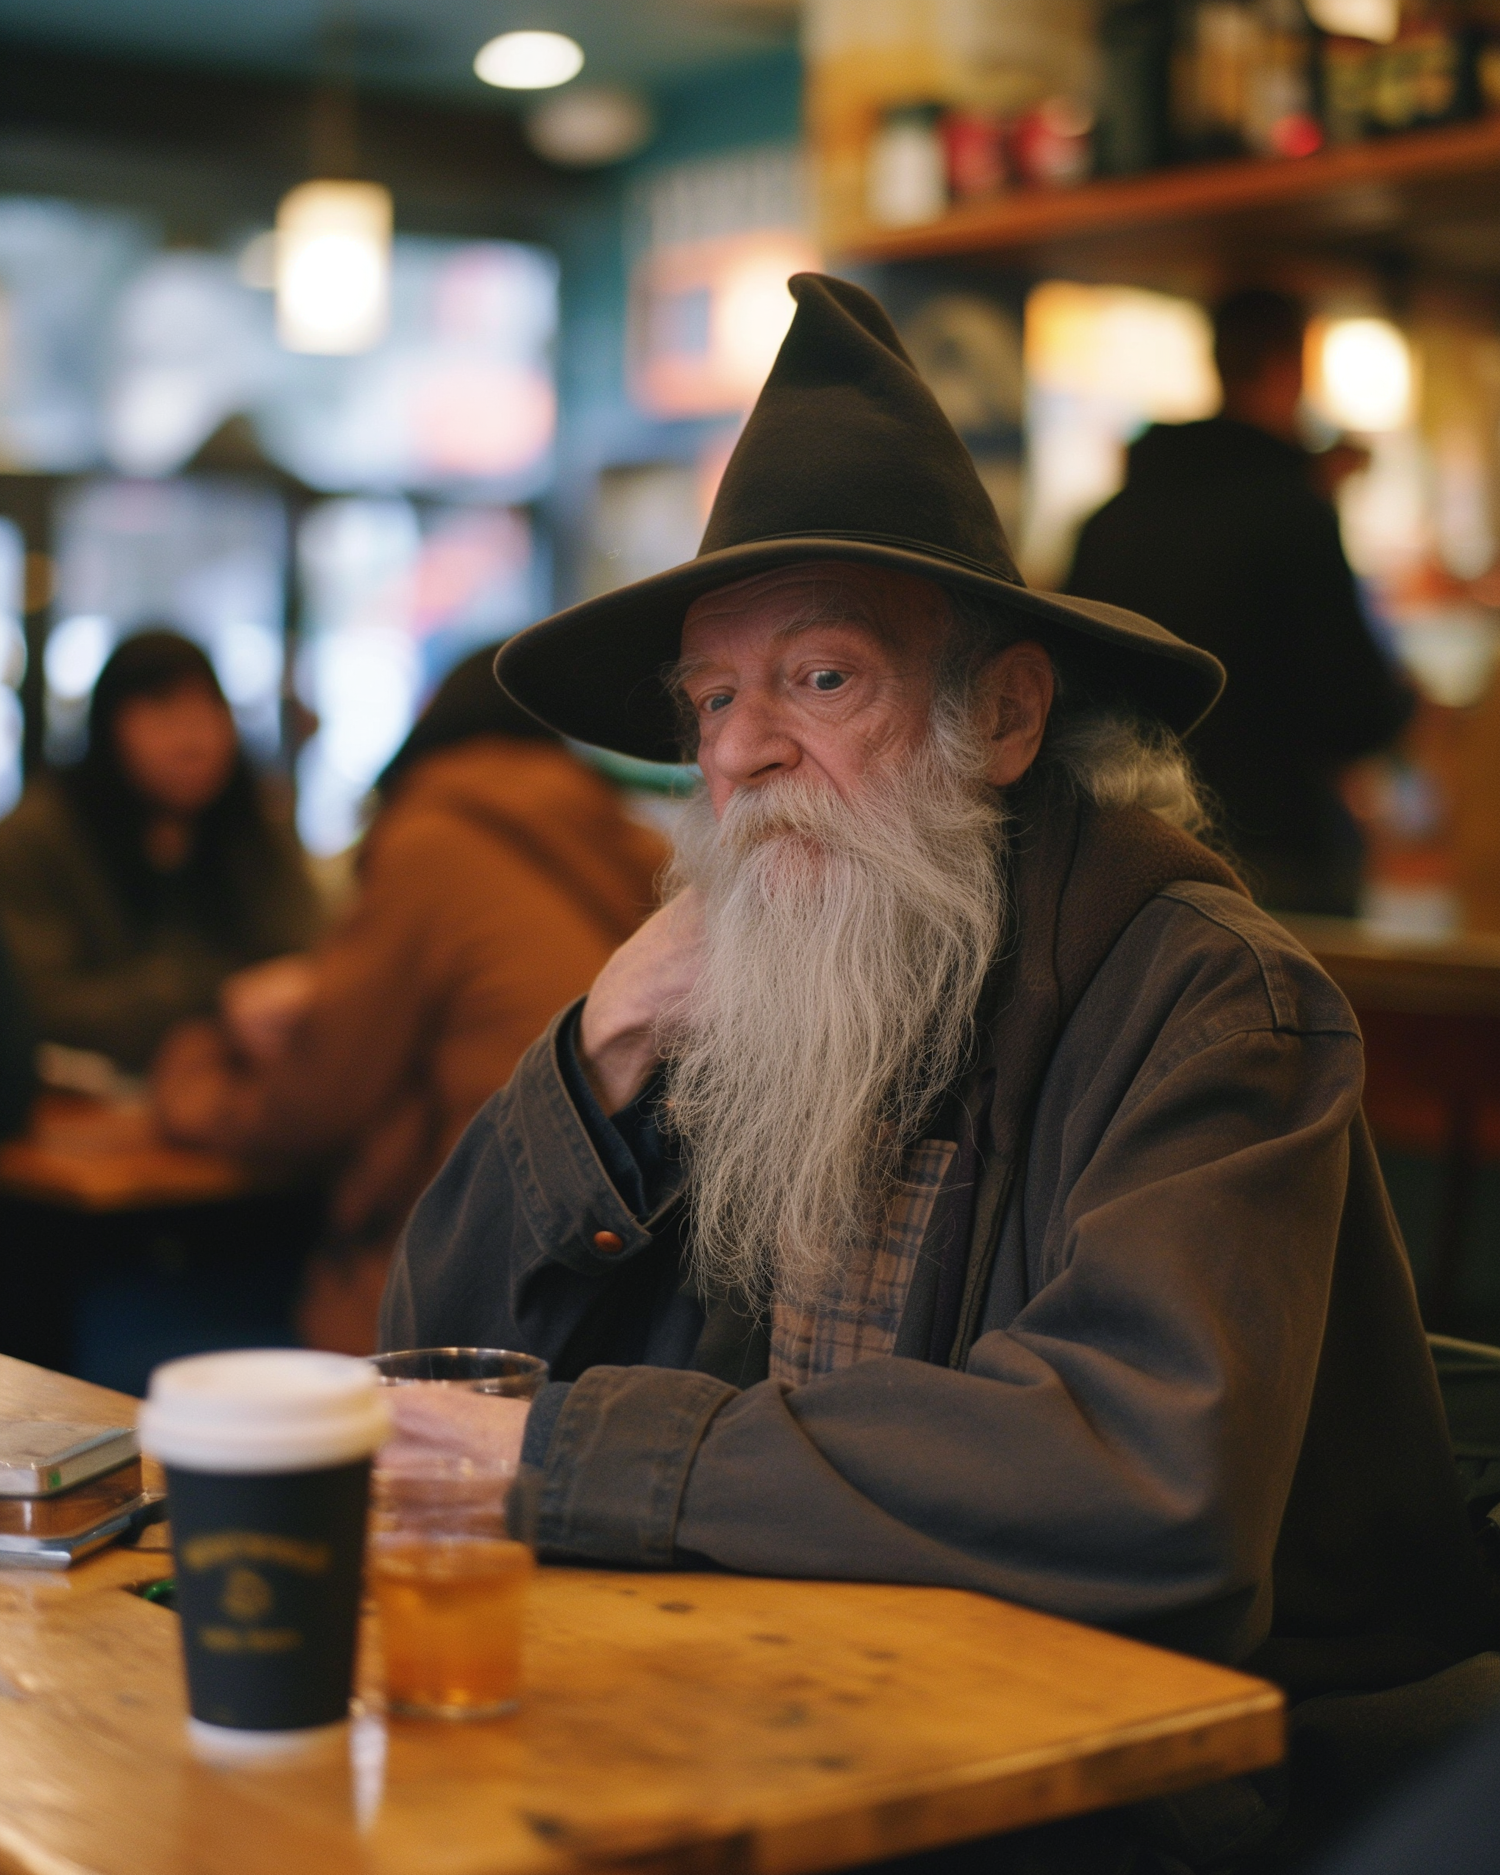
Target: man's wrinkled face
798,672
846,857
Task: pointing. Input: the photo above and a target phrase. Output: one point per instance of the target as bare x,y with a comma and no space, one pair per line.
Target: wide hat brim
596,671
846,456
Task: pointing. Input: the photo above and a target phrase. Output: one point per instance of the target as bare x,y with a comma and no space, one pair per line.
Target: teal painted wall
757,101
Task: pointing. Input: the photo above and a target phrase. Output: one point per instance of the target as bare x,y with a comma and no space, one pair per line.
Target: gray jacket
1189,1398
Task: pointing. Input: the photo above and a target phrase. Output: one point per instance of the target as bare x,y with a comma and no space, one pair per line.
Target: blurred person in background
497,877
1224,532
134,882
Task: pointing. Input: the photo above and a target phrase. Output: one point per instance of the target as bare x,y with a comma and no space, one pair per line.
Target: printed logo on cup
247,1595
225,1546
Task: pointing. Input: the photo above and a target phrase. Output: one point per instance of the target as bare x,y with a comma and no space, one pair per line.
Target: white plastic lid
263,1410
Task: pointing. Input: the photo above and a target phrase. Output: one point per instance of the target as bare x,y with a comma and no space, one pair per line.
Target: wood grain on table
94,1155
670,1722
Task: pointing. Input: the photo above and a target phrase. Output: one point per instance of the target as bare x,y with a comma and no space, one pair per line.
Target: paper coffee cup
267,1454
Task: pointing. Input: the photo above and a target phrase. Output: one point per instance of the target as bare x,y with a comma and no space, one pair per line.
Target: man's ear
1016,689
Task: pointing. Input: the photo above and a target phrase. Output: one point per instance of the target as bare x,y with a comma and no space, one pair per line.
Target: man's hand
617,1036
453,1422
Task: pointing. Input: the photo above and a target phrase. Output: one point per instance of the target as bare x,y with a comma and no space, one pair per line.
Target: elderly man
958,1180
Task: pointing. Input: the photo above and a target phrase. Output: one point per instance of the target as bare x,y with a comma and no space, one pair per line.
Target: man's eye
829,680
710,705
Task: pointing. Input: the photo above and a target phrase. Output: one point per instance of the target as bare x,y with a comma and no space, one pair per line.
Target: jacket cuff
618,1460
540,1421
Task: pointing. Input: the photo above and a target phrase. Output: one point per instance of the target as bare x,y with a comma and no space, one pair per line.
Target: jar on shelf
974,149
1052,145
906,179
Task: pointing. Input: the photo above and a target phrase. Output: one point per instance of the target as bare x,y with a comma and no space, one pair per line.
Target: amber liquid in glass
450,1621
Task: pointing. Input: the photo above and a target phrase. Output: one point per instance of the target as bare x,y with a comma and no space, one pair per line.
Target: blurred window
712,244
12,660
458,395
190,346
116,352
394,596
205,555
62,269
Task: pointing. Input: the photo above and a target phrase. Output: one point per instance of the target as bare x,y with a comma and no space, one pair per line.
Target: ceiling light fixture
333,266
530,61
590,126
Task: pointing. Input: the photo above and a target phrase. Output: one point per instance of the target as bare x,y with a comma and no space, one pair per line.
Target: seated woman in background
134,882
498,875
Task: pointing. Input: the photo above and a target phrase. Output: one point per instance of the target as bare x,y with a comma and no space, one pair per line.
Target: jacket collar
1078,875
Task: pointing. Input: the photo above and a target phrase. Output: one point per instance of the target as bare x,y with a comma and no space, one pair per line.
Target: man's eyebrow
815,616
809,619
676,675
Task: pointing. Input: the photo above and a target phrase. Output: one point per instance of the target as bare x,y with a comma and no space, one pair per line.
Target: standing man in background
1220,534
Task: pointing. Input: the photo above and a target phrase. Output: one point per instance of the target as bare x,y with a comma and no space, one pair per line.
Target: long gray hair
1108,755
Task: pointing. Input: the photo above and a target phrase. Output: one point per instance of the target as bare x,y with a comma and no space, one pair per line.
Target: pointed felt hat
846,456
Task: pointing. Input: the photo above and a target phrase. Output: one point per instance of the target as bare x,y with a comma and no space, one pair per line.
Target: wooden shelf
1429,197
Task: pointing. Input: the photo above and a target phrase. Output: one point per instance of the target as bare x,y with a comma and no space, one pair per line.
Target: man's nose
754,742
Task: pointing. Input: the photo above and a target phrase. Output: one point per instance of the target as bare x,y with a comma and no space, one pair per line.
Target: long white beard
846,944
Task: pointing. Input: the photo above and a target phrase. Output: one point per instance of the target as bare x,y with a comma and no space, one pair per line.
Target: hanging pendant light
333,266
333,234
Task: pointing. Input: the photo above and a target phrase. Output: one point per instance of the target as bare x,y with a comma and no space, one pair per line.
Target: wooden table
90,1194
1430,1014
671,1723
93,1155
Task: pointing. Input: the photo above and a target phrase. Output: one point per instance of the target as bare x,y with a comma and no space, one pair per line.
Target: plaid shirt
859,1323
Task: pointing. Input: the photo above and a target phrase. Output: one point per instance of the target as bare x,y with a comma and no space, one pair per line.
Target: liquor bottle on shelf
1427,74
1133,131
1487,57
1244,80
1281,115
1213,62
1346,73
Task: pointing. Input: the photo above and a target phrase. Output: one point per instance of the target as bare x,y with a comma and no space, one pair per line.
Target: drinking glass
481,1370
449,1576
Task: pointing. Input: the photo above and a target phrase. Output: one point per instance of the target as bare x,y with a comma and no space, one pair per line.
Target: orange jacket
493,886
